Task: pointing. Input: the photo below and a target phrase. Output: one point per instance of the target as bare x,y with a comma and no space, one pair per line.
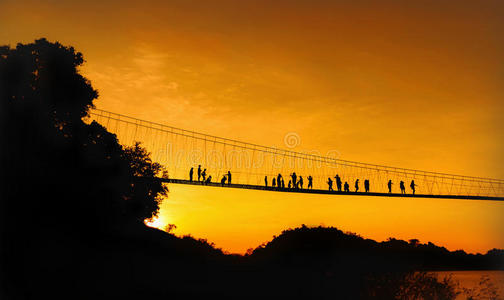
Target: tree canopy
55,165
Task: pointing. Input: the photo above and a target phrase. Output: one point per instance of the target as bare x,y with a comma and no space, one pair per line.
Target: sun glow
156,222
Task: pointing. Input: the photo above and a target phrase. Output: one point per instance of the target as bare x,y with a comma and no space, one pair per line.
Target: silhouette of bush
169,228
424,285
486,290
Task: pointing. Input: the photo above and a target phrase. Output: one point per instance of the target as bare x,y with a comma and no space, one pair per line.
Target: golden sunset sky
414,84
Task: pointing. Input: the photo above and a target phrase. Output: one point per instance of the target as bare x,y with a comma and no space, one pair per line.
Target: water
471,279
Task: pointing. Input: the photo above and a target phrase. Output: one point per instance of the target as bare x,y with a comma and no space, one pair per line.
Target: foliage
170,228
59,174
414,285
486,290
331,242
424,285
145,193
42,80
81,167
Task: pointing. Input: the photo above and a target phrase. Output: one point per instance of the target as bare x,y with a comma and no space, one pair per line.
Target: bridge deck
326,192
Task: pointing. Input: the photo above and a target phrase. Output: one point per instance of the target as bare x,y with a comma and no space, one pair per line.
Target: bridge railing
179,150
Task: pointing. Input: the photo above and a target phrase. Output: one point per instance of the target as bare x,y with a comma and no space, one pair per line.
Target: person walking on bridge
347,187
203,174
300,182
229,177
329,182
401,186
294,180
356,185
266,181
191,172
223,180
338,182
389,184
412,186
199,172
279,180
310,182
366,185
273,183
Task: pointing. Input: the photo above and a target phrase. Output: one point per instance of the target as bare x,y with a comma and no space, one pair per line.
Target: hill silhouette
311,243
72,211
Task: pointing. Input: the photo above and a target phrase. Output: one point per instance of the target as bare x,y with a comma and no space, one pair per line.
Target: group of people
202,176
402,187
296,182
346,186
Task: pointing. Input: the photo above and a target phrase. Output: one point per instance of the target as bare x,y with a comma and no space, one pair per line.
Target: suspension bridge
256,167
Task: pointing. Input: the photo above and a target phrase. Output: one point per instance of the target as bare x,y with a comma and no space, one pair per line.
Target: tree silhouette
43,78
43,100
58,173
145,194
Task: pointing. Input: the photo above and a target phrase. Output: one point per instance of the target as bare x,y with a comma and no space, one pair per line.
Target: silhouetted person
412,186
347,187
279,180
199,172
266,181
401,186
389,184
273,183
356,185
203,174
229,177
289,184
310,182
366,185
338,182
294,180
209,179
223,180
300,182
191,172
329,182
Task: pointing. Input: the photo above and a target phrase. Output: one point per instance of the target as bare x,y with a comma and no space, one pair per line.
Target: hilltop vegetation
315,242
72,211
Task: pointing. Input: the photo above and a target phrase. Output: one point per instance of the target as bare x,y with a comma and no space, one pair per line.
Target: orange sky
416,85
